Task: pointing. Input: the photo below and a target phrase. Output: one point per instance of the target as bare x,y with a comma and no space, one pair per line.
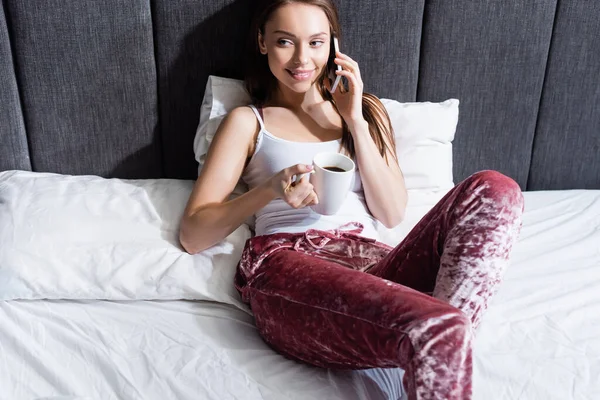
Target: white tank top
271,155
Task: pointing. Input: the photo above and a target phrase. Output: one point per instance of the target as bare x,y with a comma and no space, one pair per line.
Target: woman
324,291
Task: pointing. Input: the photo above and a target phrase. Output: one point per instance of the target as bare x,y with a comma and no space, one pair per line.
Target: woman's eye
286,42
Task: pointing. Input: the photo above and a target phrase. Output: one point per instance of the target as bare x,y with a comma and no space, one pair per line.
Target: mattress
540,338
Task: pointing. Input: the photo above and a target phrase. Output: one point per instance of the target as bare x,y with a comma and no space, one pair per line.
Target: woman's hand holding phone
348,102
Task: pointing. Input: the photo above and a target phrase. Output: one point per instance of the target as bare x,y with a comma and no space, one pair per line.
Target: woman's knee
498,187
450,332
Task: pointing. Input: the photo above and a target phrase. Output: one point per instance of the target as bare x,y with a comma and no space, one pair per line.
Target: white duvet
540,338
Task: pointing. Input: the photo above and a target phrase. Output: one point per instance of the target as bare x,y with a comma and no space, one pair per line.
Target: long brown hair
261,83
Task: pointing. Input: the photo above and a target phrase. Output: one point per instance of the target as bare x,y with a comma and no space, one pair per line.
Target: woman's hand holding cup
299,192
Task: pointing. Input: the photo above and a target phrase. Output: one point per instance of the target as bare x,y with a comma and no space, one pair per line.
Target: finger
349,65
315,199
299,202
304,190
345,64
345,57
355,84
296,170
298,194
302,177
309,200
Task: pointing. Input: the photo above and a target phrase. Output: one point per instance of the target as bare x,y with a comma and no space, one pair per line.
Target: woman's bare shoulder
240,122
242,115
239,126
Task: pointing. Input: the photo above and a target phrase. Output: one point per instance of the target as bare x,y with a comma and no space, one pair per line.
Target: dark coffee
334,169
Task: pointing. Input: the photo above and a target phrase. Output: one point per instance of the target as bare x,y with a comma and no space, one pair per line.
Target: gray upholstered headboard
113,87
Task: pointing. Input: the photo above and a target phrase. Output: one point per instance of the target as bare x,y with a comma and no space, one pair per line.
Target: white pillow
423,131
220,97
85,237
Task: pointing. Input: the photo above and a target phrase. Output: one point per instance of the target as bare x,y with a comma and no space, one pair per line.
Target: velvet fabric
335,299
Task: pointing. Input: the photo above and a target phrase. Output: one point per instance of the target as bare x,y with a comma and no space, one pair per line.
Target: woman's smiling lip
300,75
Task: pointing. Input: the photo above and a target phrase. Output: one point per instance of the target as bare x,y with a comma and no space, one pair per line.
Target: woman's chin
299,87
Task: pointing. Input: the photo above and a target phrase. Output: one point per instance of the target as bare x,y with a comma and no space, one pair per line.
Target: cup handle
300,176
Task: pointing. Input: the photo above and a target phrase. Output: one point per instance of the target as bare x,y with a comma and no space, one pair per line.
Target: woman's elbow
393,219
391,223
186,243
186,239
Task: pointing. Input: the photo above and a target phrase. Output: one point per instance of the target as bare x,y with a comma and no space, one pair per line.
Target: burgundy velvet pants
335,299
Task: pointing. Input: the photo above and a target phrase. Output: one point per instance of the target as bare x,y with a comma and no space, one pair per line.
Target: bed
98,155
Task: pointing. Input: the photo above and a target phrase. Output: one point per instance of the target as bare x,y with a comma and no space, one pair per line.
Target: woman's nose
301,56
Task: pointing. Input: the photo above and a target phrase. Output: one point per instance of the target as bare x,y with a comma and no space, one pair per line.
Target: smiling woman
299,50
290,45
302,57
322,288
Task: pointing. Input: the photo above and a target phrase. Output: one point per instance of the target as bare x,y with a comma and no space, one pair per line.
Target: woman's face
296,41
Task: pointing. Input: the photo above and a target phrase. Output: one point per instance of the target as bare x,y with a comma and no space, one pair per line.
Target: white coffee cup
332,179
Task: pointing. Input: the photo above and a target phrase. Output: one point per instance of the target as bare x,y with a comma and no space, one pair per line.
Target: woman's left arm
383,182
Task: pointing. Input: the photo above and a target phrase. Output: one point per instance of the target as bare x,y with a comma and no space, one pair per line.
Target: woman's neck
284,97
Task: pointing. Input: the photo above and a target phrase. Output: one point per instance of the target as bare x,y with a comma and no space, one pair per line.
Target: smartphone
333,66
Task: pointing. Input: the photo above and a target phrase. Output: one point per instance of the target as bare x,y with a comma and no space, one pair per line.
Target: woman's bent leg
331,316
459,251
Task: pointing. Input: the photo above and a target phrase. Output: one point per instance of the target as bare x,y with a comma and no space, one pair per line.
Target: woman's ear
262,47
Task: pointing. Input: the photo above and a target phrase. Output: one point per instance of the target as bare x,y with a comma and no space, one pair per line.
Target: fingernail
309,167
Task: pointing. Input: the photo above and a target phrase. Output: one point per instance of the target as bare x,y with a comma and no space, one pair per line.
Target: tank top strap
259,116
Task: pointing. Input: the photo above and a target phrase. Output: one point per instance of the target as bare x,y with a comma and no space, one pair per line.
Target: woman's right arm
208,218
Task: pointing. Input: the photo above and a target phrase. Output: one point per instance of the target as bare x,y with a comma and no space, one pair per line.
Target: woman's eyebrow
292,35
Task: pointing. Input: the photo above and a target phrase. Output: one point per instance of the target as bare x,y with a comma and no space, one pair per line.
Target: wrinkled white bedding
57,349
540,338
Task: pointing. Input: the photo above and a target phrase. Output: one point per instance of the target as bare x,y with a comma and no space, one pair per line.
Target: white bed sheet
163,350
540,338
